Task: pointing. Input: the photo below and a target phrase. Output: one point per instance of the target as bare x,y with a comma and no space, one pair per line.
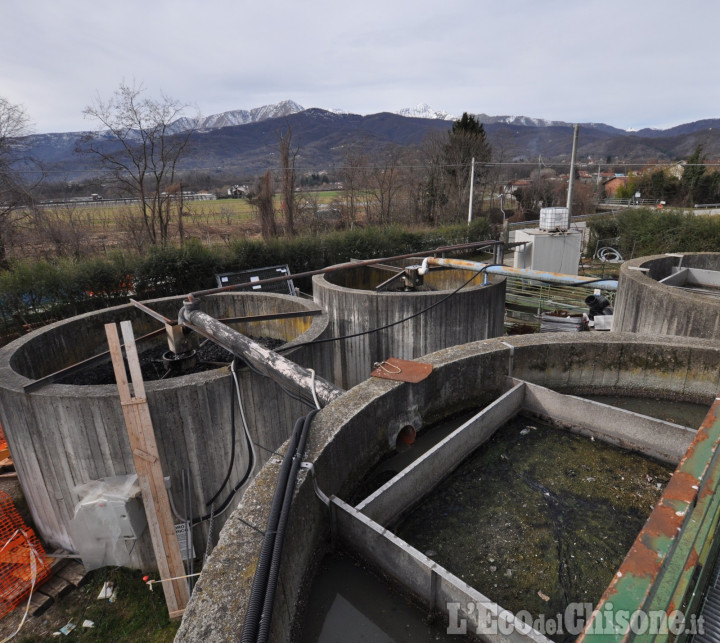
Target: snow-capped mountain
423,110
238,117
255,115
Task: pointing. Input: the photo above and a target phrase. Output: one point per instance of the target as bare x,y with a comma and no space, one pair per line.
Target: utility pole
572,171
472,185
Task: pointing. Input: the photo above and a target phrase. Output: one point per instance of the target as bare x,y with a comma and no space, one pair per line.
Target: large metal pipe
350,265
280,369
525,273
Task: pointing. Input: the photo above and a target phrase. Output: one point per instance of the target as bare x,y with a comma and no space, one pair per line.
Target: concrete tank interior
540,374
673,294
63,435
353,304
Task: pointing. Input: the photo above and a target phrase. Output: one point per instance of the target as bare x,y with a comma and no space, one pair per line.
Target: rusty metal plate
401,370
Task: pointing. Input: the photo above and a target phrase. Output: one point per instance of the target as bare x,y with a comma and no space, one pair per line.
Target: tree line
684,185
139,149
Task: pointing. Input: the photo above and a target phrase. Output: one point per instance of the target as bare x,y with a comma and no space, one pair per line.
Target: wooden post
149,470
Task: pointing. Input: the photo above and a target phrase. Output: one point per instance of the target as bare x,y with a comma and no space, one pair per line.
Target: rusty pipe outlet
278,368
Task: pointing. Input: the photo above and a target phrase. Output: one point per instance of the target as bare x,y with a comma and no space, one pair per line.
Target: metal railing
84,202
629,203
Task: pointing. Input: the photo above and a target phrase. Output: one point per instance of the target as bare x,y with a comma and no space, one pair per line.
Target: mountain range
244,143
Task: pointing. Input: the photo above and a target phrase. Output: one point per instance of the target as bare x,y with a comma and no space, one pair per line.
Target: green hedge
642,232
33,293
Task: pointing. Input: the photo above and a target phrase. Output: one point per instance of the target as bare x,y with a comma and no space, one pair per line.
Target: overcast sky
628,64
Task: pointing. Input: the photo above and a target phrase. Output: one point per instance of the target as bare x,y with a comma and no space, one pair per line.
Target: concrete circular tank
64,435
673,294
358,429
353,305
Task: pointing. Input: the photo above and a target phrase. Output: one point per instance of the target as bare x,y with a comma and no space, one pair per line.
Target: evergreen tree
692,176
466,141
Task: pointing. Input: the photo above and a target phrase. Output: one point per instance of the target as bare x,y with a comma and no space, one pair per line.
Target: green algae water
688,414
537,517
349,604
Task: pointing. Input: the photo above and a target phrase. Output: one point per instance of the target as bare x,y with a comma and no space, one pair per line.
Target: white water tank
554,218
549,251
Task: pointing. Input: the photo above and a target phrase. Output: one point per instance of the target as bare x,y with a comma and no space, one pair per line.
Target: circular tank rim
12,380
630,270
322,282
342,427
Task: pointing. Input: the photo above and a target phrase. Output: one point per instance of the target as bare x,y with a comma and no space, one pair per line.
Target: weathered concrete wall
356,430
475,312
425,579
645,306
63,435
664,441
426,472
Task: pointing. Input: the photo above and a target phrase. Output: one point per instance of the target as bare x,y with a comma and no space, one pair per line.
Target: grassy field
208,212
82,229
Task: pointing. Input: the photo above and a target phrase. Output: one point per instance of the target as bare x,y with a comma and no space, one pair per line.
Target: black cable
232,439
391,324
241,482
234,490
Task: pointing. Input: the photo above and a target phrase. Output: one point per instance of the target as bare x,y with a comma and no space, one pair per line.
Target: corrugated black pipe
268,604
257,593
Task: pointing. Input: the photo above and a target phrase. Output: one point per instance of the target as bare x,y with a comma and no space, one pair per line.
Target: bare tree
64,227
15,192
263,201
433,188
383,184
140,149
288,154
353,177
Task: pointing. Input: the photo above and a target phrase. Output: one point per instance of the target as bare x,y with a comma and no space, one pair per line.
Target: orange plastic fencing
3,441
22,557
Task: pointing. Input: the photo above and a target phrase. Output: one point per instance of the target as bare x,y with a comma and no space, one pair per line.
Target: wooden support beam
148,467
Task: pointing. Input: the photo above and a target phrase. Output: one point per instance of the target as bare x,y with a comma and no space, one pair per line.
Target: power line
439,166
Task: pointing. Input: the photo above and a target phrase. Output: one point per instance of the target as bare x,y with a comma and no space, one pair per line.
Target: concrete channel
350,435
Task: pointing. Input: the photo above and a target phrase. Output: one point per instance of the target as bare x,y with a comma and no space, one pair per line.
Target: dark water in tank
349,604
537,517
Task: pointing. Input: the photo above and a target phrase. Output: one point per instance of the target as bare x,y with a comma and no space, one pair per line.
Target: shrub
33,293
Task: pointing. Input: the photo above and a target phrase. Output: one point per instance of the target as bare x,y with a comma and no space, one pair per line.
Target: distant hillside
324,137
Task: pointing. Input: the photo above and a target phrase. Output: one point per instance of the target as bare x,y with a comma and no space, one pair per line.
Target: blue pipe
525,273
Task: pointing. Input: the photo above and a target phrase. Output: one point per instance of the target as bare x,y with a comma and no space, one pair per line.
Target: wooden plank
39,603
133,360
144,456
148,467
56,587
56,564
117,361
74,573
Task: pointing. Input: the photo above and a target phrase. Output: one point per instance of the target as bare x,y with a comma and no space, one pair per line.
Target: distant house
678,169
238,191
612,185
514,186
